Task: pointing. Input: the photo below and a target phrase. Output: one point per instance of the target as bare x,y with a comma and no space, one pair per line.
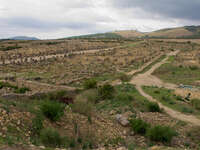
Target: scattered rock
132,133
124,132
122,120
4,129
102,148
42,147
122,148
112,112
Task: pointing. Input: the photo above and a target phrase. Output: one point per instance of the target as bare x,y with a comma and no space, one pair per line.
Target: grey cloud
55,18
178,9
25,22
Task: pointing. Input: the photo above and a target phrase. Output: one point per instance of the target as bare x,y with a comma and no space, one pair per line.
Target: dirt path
175,114
147,79
144,66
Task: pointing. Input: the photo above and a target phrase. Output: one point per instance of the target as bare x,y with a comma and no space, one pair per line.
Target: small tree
37,124
161,134
50,137
106,91
90,84
153,107
139,126
52,109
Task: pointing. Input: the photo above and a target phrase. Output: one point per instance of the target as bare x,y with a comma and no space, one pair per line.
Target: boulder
122,120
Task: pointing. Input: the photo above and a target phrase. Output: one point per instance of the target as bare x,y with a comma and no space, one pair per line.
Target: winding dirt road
175,114
147,79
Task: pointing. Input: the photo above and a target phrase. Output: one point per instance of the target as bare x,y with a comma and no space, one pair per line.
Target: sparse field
182,69
168,98
79,94
102,64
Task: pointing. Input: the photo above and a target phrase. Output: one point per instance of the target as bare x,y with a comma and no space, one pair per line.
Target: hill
181,32
190,32
23,38
98,35
129,33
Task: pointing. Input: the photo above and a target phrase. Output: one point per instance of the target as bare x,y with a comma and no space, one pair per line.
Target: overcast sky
62,18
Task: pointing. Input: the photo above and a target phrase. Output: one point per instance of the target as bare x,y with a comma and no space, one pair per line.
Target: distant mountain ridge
98,36
23,38
186,32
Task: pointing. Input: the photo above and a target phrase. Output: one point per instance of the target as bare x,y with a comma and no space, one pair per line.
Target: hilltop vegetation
98,36
187,32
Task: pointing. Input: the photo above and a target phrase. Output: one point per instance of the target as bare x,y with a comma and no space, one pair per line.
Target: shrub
139,126
124,78
124,97
1,85
6,84
166,98
60,94
196,103
37,124
187,110
90,96
90,84
22,90
193,67
82,107
56,95
153,107
50,137
179,98
52,109
157,92
161,133
106,91
72,143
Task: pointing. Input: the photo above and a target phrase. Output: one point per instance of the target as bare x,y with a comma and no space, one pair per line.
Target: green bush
50,137
193,67
179,98
90,96
153,107
161,134
106,91
56,95
22,90
124,97
52,109
90,84
157,92
139,126
166,98
6,84
124,78
82,107
187,110
196,103
37,124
